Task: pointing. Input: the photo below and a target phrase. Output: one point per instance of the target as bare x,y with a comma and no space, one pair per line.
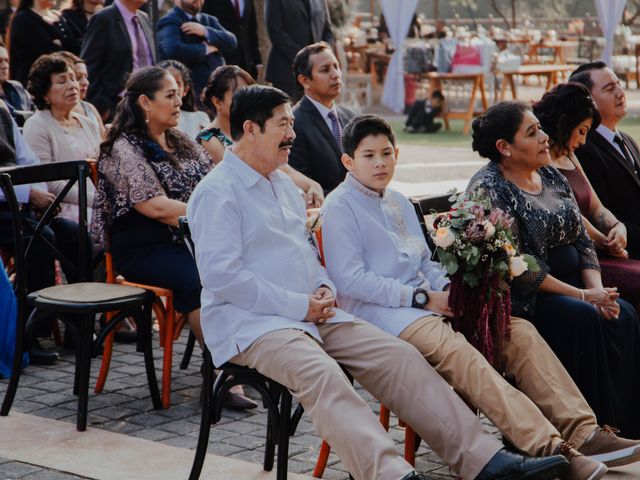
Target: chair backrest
25,234
185,233
429,204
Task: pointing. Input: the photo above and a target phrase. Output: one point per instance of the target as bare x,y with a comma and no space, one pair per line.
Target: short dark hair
221,80
189,98
39,82
301,63
255,103
437,94
582,74
562,109
362,127
500,122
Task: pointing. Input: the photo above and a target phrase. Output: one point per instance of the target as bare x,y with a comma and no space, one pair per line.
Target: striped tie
336,129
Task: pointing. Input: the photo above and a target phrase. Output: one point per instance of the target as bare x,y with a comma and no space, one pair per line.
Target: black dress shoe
38,355
510,466
235,401
413,476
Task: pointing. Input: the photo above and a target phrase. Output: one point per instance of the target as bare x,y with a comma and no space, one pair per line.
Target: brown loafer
235,401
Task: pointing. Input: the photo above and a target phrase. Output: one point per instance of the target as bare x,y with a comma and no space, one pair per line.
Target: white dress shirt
24,156
256,265
609,135
376,255
324,112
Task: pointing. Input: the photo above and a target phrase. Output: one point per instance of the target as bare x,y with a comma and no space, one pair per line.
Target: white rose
508,248
489,230
444,237
517,266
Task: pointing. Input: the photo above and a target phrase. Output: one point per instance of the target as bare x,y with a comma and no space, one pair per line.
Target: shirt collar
124,11
354,184
247,174
324,111
607,133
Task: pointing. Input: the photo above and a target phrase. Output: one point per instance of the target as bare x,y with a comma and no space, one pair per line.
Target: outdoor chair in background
357,89
75,304
281,424
585,52
170,323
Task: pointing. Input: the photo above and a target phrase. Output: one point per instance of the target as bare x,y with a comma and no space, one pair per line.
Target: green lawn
455,137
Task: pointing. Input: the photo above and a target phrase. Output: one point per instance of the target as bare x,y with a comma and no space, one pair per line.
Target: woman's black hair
562,109
130,117
500,122
189,98
221,80
25,5
39,79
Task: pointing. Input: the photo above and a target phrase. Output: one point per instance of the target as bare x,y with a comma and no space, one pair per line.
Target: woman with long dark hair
35,29
147,170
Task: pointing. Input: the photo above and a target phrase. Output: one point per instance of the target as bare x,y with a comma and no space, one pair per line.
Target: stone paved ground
125,407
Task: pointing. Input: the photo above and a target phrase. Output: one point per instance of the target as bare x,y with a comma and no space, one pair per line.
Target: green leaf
448,261
471,279
532,264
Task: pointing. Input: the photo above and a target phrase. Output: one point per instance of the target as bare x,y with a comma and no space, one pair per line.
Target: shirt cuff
406,295
296,306
22,193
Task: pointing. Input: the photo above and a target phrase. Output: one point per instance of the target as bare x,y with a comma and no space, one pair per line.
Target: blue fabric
8,312
189,49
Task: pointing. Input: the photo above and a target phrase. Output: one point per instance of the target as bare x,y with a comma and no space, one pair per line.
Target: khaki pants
392,371
544,388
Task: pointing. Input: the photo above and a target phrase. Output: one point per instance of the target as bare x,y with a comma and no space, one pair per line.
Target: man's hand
439,303
210,48
314,196
321,305
616,240
39,199
194,28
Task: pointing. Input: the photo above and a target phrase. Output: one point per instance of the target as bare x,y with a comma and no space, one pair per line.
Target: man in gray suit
319,121
293,24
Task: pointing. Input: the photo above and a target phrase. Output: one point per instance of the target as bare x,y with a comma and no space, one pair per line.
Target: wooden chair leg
283,435
167,359
410,445
106,357
188,351
384,417
323,458
16,369
82,372
145,336
205,419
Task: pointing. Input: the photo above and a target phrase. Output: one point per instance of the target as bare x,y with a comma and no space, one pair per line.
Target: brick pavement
125,407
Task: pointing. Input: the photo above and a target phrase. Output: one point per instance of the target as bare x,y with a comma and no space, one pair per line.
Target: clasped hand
321,305
604,299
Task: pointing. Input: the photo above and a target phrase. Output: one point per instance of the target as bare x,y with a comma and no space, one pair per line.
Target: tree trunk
263,37
494,5
436,10
513,13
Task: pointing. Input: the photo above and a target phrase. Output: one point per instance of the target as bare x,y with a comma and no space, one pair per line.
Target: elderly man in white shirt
267,304
376,254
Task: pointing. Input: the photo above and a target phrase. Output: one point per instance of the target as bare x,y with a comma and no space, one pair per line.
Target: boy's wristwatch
420,298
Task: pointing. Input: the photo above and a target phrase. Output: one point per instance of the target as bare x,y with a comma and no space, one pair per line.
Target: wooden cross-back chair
76,304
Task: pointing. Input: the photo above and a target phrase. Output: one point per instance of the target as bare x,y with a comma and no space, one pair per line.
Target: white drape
398,15
609,14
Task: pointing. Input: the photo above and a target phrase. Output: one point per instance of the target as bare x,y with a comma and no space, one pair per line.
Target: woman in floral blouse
595,334
146,173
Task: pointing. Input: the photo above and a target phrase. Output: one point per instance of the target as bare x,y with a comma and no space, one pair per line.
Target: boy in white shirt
377,256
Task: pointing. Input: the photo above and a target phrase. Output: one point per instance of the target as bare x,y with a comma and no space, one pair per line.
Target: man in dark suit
293,24
319,122
239,17
195,39
610,158
119,39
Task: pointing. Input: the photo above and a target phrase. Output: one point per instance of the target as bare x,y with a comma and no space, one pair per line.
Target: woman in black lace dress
595,334
146,173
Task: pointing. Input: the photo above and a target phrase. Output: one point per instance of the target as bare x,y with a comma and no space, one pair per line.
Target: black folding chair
76,304
281,424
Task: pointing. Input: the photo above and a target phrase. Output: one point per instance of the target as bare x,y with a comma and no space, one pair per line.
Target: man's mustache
288,143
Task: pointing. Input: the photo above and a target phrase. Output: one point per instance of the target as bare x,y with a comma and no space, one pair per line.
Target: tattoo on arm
604,220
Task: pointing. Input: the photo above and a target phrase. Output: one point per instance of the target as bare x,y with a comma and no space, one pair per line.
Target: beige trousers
392,371
545,407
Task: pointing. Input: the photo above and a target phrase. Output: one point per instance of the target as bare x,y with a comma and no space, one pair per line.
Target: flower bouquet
476,247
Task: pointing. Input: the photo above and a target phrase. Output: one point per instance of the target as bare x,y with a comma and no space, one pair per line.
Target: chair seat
89,292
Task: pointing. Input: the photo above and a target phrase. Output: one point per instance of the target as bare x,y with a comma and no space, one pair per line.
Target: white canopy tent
398,15
609,15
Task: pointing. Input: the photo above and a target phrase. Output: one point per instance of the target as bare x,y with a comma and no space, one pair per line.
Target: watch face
421,298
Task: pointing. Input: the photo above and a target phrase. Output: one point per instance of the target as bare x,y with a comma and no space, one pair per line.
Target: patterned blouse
544,221
138,170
